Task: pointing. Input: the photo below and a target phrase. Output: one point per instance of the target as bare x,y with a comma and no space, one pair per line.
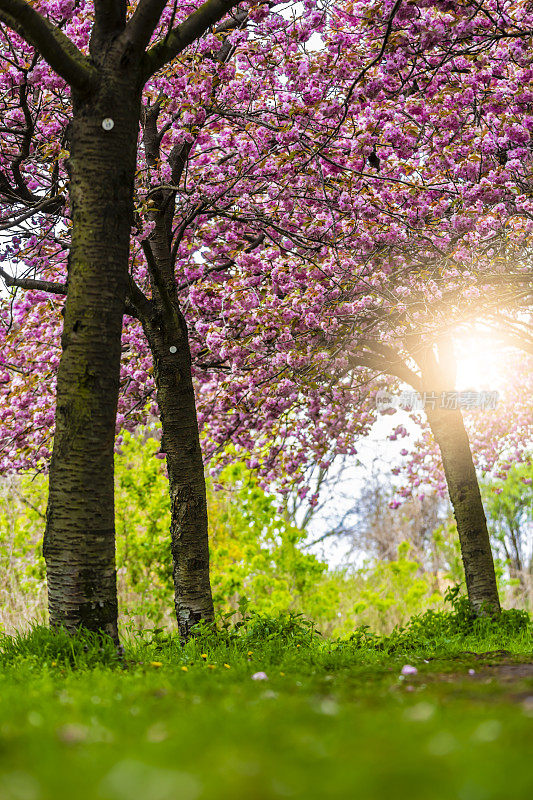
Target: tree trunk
79,545
180,442
449,431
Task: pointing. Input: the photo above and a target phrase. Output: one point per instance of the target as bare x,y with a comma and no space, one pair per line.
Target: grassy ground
333,720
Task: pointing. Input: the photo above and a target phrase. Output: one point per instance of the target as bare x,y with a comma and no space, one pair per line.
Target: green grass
333,720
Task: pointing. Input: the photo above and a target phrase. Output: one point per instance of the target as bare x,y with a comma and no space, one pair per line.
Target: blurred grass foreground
269,709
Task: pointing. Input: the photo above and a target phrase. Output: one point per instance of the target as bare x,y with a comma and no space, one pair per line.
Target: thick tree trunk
181,443
449,431
79,545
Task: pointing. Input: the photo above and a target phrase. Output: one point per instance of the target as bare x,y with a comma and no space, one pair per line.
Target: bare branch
49,204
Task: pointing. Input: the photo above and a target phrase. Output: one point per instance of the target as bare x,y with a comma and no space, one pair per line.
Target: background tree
509,505
440,218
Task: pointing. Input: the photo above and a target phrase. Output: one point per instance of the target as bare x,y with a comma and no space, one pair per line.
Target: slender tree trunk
181,443
166,331
449,431
79,545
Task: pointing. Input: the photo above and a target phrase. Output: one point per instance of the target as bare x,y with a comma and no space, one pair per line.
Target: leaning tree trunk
79,545
450,434
169,343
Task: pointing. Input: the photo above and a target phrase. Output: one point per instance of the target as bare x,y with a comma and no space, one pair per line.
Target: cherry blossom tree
320,225
184,206
449,227
97,58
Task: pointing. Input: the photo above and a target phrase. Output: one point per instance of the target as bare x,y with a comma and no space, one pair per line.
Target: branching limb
30,283
56,48
49,204
397,369
157,278
109,19
185,33
137,304
143,22
110,15
254,243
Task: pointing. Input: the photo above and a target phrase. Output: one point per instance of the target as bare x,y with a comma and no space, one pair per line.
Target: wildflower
211,666
156,663
259,676
204,655
250,652
227,666
54,663
407,669
471,671
185,669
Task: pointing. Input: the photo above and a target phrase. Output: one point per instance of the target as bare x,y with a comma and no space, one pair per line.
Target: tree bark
168,338
79,545
450,434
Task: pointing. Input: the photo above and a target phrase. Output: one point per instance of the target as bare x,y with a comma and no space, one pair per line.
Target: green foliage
510,500
144,566
250,637
23,588
446,542
433,629
260,568
395,589
509,509
256,553
250,629
382,595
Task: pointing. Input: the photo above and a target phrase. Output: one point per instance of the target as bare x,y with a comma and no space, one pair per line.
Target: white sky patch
377,455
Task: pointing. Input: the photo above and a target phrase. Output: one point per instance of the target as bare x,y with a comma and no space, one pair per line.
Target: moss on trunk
79,545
